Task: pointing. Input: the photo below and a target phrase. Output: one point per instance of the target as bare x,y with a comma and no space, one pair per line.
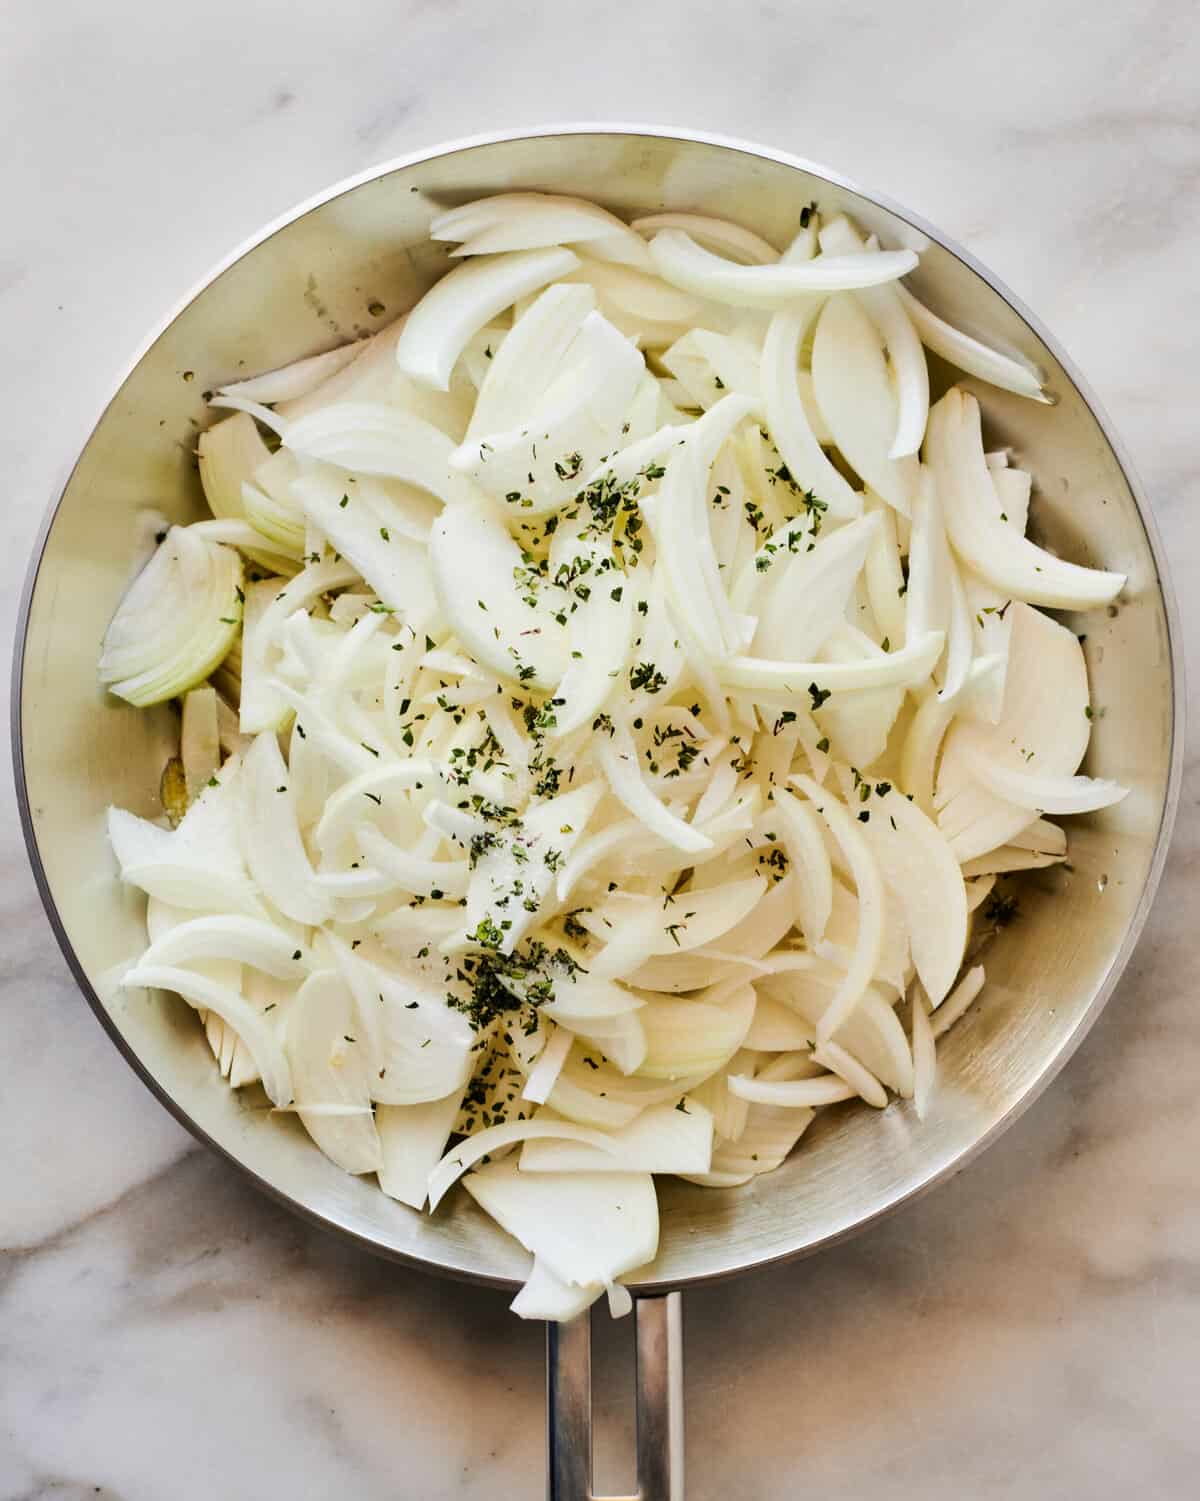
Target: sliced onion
618,758
297,379
412,1139
685,264
176,622
663,1139
439,327
331,1071
721,236
589,1228
996,552
959,999
1034,790
906,667
208,995
470,541
271,843
529,221
969,354
854,391
871,905
786,416
245,940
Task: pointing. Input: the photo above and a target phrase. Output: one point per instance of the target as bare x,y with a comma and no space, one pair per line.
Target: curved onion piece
1006,859
886,310
854,391
1008,561
420,1049
924,1051
412,1139
812,872
529,221
246,940
522,368
374,438
248,1023
1034,790
290,382
692,920
898,669
176,622
792,1094
685,264
960,998
356,799
170,866
589,1228
969,354
864,1083
431,878
767,1138
787,419
1043,728
686,1037
544,1074
466,1154
924,879
331,1067
721,236
470,542
228,453
567,430
546,1296
871,905
807,592
618,758
599,633
271,843
438,329
663,1139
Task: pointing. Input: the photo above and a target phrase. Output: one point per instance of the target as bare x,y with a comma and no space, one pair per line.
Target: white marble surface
1032,1330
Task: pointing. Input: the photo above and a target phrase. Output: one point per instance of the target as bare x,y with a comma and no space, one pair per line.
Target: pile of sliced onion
609,697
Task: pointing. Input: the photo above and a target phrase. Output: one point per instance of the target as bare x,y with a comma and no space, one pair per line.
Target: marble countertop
1031,1330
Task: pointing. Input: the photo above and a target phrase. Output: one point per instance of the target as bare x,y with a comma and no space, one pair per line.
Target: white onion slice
176,622
589,1228
439,327
208,995
663,1139
786,416
995,551
412,1139
898,669
685,264
331,1073
969,354
271,843
1034,790
721,236
290,382
872,904
854,391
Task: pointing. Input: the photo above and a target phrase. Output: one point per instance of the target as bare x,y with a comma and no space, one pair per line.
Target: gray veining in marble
1032,1330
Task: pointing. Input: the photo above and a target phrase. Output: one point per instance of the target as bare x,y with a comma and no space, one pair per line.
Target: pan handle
659,1321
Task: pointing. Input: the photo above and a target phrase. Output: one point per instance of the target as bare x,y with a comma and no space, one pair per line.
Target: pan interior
320,279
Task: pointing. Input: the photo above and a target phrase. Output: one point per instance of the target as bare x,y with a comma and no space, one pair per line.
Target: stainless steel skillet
339,265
